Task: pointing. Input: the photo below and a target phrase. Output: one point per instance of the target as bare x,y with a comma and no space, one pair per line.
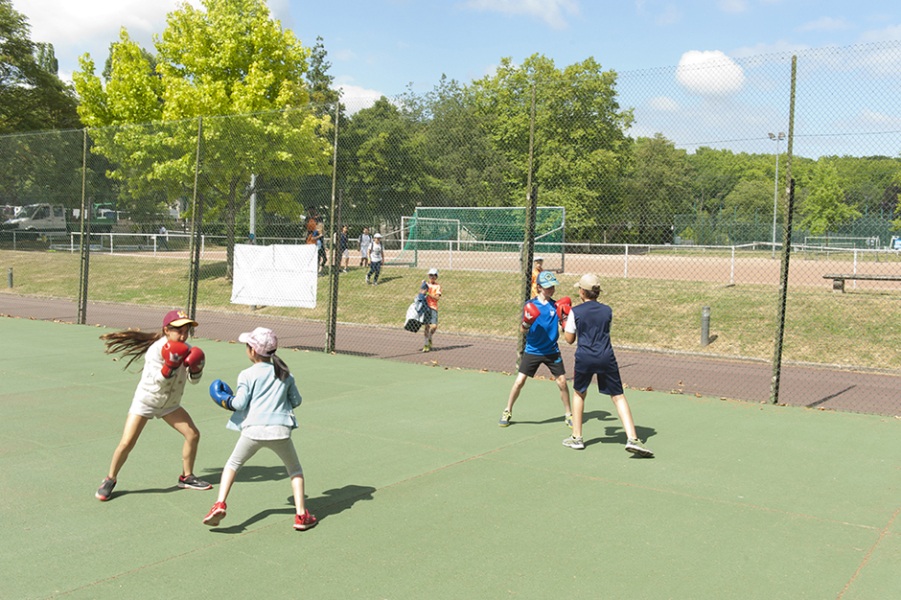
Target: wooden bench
838,279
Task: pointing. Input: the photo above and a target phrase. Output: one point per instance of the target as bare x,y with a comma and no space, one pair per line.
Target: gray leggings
246,448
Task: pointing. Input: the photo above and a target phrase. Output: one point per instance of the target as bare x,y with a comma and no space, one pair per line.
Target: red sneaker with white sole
304,521
217,513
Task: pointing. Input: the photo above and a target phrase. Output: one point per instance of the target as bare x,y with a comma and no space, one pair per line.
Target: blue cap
546,279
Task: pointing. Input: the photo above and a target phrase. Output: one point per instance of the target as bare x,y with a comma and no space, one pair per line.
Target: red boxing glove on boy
529,314
564,306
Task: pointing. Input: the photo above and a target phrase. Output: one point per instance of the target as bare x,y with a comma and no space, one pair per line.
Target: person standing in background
365,243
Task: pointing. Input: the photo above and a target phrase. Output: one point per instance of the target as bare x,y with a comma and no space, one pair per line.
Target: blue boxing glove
222,394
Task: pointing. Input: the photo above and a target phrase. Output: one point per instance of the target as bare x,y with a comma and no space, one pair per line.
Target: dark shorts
529,364
608,382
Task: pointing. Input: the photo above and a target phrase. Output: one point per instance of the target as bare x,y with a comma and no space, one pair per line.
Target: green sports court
421,495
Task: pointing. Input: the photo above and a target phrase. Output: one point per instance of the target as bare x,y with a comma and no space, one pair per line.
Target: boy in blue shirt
543,327
590,322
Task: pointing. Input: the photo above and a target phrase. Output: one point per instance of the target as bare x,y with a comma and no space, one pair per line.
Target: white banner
279,275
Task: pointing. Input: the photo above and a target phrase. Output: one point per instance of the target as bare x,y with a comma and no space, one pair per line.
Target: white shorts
140,408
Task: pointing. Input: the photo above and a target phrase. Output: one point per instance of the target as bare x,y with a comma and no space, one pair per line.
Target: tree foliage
580,140
228,58
32,97
825,206
658,184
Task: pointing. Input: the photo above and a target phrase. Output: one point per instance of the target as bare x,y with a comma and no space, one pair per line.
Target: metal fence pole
528,249
196,231
85,248
786,244
334,271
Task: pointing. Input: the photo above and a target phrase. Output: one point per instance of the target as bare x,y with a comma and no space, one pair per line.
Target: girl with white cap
264,414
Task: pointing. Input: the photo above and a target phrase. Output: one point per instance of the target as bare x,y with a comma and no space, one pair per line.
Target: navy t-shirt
595,352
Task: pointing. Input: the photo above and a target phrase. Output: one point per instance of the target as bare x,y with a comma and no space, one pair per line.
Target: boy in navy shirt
543,327
590,322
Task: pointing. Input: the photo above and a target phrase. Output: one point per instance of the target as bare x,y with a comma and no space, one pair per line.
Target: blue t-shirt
545,331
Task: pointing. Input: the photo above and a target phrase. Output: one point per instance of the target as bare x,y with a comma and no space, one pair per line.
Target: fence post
786,245
334,271
85,228
196,217
529,242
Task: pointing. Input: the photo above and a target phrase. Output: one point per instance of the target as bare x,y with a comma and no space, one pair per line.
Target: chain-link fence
670,184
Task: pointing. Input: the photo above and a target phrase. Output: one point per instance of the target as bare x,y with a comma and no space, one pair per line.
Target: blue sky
379,47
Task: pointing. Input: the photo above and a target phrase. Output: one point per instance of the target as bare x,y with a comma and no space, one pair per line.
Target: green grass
855,328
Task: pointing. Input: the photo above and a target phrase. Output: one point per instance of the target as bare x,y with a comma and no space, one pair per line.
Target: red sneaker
217,513
304,521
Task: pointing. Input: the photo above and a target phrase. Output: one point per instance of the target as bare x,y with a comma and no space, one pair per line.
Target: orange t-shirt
311,227
535,273
433,294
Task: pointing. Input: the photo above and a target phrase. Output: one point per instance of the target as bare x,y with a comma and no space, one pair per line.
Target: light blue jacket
261,399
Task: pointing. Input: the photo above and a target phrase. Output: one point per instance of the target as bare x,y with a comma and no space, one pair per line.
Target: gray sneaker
106,489
637,447
574,442
505,418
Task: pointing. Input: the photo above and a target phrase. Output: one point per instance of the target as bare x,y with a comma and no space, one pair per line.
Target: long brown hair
132,343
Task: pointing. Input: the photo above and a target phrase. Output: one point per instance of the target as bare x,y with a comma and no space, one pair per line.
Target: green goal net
438,235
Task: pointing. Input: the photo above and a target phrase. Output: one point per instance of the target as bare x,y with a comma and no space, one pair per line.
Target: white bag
412,322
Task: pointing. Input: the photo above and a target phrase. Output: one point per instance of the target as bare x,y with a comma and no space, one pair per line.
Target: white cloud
551,12
67,22
669,16
733,6
892,32
344,55
710,74
826,24
663,104
868,119
356,98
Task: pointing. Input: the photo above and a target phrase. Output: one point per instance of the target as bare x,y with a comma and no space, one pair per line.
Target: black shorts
529,364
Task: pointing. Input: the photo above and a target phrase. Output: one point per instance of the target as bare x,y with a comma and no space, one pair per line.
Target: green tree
323,96
824,206
461,166
580,144
32,97
657,186
379,169
751,199
229,58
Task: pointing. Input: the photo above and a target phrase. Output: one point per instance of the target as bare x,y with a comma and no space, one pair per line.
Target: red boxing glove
174,354
564,306
195,361
529,314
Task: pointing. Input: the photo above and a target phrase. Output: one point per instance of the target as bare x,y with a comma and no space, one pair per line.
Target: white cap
433,271
262,340
539,259
378,235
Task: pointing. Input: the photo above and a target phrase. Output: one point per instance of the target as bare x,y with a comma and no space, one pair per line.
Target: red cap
177,318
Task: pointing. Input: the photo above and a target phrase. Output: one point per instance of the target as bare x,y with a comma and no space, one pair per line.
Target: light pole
777,138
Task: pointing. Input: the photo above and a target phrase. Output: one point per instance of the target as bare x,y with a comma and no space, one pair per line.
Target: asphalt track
821,387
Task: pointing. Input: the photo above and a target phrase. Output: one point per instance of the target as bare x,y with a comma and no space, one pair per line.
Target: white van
38,218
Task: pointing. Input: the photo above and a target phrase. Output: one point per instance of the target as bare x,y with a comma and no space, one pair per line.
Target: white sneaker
575,443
